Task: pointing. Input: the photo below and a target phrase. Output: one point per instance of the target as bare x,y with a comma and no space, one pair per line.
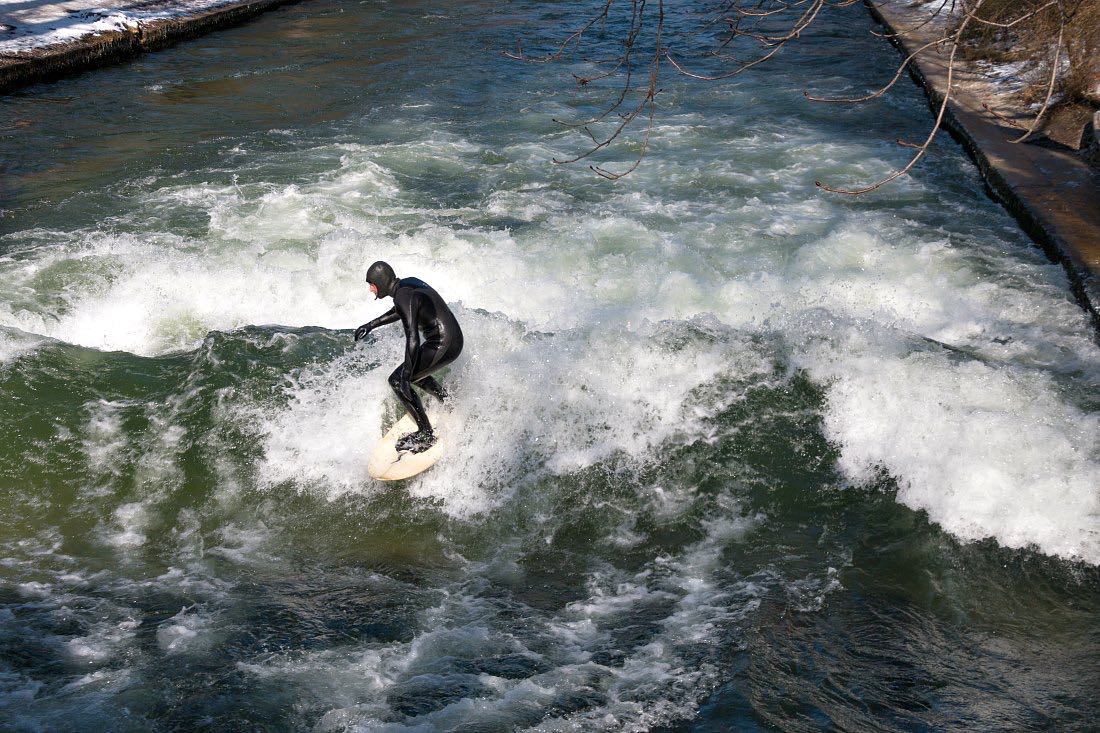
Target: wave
571,314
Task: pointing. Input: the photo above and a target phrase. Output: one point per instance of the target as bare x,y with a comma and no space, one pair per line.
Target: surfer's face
374,289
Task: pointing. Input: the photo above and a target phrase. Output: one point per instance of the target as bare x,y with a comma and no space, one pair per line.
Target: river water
732,455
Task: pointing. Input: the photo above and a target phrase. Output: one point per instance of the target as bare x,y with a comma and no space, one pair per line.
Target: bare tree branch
1053,76
741,35
930,19
883,90
935,128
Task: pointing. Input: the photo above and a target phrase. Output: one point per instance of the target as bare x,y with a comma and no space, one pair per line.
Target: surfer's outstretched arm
390,316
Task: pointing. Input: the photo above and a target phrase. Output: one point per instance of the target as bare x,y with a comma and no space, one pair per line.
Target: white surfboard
388,464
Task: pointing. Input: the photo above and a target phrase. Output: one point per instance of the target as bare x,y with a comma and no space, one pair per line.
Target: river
731,453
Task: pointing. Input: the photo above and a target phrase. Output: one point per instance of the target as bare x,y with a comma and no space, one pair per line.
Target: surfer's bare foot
416,442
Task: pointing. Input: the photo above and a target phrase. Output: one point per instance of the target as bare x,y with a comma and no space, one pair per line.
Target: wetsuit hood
381,275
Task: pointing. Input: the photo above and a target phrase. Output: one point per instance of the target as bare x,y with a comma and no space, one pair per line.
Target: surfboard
388,464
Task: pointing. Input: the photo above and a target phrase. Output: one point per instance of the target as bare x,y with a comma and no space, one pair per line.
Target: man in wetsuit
420,309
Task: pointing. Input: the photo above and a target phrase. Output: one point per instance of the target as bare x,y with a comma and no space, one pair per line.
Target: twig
935,128
1053,76
883,90
1001,117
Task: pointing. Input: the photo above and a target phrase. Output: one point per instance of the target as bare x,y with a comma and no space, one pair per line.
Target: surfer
420,309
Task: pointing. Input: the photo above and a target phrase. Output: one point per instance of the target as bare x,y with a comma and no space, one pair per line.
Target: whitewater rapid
568,319
726,442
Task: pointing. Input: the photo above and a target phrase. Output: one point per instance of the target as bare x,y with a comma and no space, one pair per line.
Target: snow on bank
38,24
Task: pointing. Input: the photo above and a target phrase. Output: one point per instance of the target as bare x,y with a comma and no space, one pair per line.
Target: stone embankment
41,40
1053,192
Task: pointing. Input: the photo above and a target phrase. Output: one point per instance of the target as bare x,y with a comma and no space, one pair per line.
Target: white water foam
987,451
104,440
79,619
657,681
603,392
570,370
186,632
14,344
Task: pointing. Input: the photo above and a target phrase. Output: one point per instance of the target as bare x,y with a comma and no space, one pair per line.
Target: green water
733,455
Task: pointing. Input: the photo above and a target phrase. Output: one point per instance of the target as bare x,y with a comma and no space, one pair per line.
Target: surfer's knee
395,379
429,384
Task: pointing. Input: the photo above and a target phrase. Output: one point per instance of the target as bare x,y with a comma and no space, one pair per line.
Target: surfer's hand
362,331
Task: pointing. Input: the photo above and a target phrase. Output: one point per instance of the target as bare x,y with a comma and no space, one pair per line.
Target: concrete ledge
57,61
1052,193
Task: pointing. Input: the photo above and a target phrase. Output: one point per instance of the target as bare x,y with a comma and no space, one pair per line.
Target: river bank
1053,193
42,41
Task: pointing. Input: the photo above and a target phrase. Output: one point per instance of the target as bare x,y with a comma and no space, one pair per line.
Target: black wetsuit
420,310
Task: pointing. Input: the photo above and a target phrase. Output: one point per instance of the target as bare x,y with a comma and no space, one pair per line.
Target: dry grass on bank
1033,41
